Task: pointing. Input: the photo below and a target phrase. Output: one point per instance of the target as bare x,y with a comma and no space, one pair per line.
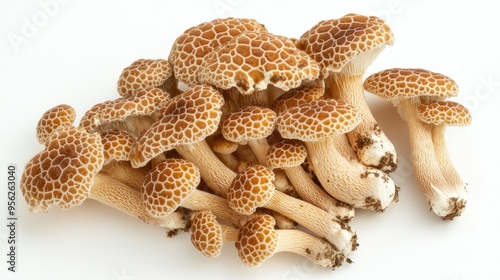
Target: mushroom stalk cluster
247,137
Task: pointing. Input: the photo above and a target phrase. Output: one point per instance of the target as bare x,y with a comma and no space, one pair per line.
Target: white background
55,52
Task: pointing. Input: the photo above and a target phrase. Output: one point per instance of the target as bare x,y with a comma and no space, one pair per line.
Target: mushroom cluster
249,137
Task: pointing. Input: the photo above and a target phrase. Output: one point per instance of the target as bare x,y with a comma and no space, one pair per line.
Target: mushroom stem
129,201
125,173
446,198
229,233
447,168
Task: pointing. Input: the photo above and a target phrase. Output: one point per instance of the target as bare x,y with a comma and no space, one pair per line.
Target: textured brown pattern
253,60
168,184
287,153
257,240
57,117
188,118
63,173
317,120
297,96
248,123
398,83
117,146
194,44
206,233
143,73
333,43
444,112
250,189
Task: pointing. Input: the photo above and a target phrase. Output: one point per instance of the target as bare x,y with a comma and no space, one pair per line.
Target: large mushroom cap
143,73
63,173
253,60
206,233
287,153
57,117
248,123
168,184
257,240
396,83
334,43
188,52
317,120
251,188
444,112
188,118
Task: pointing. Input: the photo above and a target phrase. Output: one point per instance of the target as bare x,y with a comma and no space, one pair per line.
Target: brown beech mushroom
224,150
408,89
66,173
253,188
57,117
320,124
344,48
258,240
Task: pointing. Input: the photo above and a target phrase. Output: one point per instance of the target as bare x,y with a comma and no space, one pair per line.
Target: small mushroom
408,89
224,150
57,117
253,188
258,241
206,233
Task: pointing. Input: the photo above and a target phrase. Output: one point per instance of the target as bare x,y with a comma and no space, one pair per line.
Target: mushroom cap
187,119
257,240
63,173
396,83
206,233
250,189
117,146
317,120
57,117
253,60
168,184
104,116
444,112
249,123
223,146
143,73
189,49
297,96
285,154
334,43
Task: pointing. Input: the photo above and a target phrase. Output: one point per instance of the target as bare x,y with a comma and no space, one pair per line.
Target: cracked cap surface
317,120
57,117
253,60
206,234
287,153
63,173
189,49
257,240
249,123
334,43
168,184
142,74
396,83
444,112
117,146
297,96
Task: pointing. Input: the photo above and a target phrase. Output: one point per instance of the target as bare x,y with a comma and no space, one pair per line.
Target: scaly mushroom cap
248,123
253,60
334,43
297,96
143,73
317,120
167,185
144,102
116,146
257,240
206,234
285,154
396,83
63,173
57,117
188,118
444,112
250,189
188,52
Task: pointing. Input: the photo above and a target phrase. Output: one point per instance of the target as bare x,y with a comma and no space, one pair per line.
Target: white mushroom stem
229,233
129,201
125,173
447,168
446,198
350,182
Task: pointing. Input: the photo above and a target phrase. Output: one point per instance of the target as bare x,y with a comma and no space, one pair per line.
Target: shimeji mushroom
289,155
320,124
57,117
66,173
258,241
253,188
344,48
146,73
408,89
